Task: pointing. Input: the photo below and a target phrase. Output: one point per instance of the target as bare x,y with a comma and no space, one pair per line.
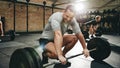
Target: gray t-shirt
55,22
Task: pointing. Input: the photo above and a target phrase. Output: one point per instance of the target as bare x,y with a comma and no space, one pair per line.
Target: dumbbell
30,58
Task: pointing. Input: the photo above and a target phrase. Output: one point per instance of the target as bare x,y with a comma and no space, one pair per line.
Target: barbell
30,58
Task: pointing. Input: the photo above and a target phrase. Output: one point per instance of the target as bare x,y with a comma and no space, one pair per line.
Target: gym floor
31,40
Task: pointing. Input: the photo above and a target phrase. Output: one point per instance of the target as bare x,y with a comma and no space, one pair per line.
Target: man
93,26
1,28
54,38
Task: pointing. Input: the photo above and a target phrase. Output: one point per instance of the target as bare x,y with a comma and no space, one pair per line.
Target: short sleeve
55,25
75,26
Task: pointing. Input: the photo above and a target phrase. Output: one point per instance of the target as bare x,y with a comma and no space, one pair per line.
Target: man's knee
75,38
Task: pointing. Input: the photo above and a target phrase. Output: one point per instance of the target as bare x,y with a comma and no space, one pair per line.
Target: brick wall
35,16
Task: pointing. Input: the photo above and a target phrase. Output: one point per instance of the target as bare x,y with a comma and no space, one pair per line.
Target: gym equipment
59,65
9,36
35,57
21,59
86,34
30,58
102,46
99,31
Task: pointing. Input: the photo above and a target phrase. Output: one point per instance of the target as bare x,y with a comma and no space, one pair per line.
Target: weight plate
102,46
35,56
21,59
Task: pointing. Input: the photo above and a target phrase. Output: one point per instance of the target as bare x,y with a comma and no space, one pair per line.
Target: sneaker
90,36
45,58
94,35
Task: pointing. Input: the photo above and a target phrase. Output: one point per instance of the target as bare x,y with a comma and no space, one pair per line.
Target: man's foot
45,58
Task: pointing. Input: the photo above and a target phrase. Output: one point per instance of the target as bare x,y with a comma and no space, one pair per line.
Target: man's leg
43,42
69,41
51,51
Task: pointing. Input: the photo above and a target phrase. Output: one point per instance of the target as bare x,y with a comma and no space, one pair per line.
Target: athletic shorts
43,42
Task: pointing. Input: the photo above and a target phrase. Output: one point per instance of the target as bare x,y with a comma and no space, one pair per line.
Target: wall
35,16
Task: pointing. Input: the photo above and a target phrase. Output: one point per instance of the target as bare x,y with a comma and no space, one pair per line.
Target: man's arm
82,40
80,36
57,36
58,41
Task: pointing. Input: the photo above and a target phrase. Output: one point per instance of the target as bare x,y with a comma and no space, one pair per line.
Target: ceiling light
79,6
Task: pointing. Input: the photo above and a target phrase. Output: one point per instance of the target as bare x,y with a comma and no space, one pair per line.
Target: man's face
68,16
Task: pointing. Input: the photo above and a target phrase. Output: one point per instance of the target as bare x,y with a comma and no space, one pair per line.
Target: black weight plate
35,56
21,59
102,46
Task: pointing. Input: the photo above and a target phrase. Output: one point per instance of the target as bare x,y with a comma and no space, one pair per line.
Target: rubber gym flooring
31,40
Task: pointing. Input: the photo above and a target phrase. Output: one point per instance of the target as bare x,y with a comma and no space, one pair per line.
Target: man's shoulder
57,13
56,16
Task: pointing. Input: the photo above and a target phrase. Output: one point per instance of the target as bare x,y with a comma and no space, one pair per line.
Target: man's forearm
58,40
82,40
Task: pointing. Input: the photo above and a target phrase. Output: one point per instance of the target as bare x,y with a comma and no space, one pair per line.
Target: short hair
70,7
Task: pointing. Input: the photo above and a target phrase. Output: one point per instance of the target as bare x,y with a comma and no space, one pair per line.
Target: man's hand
62,59
86,52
